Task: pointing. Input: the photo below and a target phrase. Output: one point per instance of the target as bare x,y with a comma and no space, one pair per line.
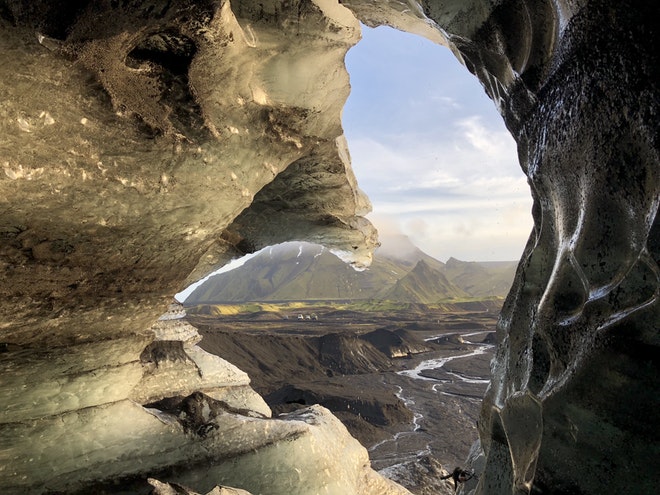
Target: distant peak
421,264
400,247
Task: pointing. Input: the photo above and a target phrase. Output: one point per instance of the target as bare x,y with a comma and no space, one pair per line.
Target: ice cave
145,144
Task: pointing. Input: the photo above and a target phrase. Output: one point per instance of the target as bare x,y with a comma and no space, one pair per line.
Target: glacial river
418,440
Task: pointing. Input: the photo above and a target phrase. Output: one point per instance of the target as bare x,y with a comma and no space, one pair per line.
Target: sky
431,151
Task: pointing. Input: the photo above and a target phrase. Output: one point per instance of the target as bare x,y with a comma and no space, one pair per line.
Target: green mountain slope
424,284
297,272
481,279
400,272
399,249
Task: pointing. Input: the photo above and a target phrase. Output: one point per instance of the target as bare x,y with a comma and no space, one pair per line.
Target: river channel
443,390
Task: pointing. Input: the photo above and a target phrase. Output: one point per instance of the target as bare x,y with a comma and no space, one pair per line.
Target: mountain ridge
303,271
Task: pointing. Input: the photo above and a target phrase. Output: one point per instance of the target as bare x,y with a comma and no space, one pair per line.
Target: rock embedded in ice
160,488
306,453
173,365
325,459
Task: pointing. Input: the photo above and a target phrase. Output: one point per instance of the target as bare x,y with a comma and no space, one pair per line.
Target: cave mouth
412,107
426,204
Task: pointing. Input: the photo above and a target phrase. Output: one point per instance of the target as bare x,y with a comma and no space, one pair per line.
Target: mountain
424,284
481,279
400,249
400,271
297,271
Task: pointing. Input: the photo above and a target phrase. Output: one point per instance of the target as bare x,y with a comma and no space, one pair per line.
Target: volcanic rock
395,344
422,475
161,488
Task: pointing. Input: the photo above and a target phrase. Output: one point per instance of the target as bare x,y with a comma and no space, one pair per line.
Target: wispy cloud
432,153
493,143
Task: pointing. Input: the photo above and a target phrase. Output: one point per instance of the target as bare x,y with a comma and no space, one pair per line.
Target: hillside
400,272
298,271
481,279
426,285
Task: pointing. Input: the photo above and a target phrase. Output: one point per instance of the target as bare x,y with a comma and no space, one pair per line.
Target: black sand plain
366,367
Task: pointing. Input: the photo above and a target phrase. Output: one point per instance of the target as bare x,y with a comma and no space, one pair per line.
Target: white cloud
478,235
445,101
430,151
494,143
470,201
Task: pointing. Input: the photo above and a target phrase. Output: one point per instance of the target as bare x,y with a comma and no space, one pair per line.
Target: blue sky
431,151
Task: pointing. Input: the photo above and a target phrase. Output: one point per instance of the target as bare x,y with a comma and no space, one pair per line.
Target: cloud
497,144
417,227
478,235
473,236
410,162
445,101
431,152
459,202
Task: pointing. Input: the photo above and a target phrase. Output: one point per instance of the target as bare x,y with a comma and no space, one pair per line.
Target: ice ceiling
145,143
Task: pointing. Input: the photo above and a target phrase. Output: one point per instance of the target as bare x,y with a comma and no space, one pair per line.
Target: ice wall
144,143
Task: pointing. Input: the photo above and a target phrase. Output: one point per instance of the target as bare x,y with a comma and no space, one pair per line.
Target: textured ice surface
144,144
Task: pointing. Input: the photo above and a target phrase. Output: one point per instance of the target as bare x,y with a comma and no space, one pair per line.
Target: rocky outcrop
423,474
161,488
144,143
395,344
174,366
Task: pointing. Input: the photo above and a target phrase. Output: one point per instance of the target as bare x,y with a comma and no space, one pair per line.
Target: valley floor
425,403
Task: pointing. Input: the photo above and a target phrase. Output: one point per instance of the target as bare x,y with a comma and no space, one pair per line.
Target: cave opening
453,211
431,150
414,108
571,402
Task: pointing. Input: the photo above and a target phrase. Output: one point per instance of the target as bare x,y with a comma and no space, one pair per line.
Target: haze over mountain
400,272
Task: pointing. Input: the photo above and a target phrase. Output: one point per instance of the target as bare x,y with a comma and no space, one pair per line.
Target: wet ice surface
443,389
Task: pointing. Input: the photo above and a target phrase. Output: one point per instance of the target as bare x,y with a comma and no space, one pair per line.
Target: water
440,417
